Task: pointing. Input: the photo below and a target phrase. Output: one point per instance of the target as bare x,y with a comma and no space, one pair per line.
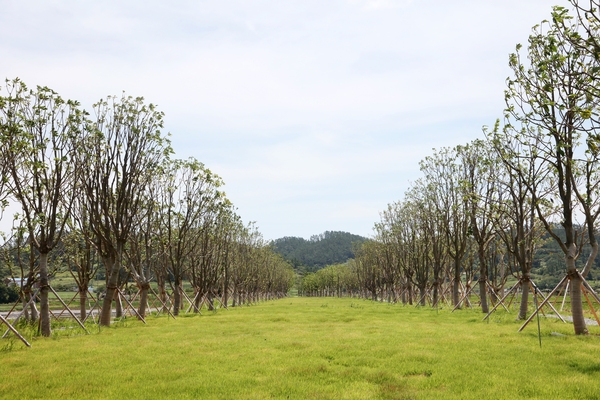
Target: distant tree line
101,189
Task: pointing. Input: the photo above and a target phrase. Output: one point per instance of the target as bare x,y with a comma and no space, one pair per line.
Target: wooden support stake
193,304
22,311
549,302
91,312
498,304
68,309
131,305
543,303
185,295
11,328
463,298
590,303
565,297
492,291
157,297
68,304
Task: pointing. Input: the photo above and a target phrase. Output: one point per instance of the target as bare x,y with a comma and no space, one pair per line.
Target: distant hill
319,251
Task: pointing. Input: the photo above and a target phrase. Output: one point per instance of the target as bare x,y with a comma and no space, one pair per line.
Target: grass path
310,348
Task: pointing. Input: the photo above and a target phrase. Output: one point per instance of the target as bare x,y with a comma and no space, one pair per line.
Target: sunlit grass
309,348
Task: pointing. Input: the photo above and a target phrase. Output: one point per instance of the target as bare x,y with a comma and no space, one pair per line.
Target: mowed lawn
310,348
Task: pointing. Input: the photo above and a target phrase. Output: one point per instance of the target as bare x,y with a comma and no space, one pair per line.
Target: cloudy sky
315,112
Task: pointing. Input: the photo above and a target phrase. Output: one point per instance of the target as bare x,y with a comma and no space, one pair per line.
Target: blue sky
315,113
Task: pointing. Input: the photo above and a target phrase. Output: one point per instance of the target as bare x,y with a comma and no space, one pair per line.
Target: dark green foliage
4,272
321,250
549,262
8,294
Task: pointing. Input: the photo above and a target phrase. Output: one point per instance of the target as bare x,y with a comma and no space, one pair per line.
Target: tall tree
124,148
190,197
554,97
444,171
40,136
481,191
522,178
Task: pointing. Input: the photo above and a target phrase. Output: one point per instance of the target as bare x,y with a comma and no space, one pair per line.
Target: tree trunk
143,299
176,296
436,288
576,301
118,305
210,301
31,314
162,294
225,298
423,295
524,298
483,276
197,302
483,295
111,286
82,303
456,284
44,289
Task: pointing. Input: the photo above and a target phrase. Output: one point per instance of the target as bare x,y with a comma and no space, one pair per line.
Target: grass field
309,348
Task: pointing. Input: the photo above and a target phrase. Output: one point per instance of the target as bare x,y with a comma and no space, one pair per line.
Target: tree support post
543,303
11,328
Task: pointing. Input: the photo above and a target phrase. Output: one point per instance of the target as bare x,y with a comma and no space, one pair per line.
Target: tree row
101,189
476,216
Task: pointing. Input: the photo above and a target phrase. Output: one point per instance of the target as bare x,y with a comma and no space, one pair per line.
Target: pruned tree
554,96
480,185
21,259
143,250
444,171
124,147
40,139
79,256
190,197
522,178
430,205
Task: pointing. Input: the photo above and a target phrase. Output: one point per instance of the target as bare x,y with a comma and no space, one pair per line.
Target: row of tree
104,186
334,280
480,209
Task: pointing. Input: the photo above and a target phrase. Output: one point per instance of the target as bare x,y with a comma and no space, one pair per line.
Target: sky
315,113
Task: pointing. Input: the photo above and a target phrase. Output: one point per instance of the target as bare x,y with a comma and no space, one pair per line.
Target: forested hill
319,251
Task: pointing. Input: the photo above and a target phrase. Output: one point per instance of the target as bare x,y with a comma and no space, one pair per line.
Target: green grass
309,348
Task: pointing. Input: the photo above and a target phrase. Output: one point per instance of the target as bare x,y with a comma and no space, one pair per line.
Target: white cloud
314,112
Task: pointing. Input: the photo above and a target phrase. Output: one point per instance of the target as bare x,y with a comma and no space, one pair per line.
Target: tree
124,149
433,223
41,136
190,198
481,191
445,172
554,98
521,179
79,257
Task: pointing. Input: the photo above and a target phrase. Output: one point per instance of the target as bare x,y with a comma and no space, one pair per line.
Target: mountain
319,251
